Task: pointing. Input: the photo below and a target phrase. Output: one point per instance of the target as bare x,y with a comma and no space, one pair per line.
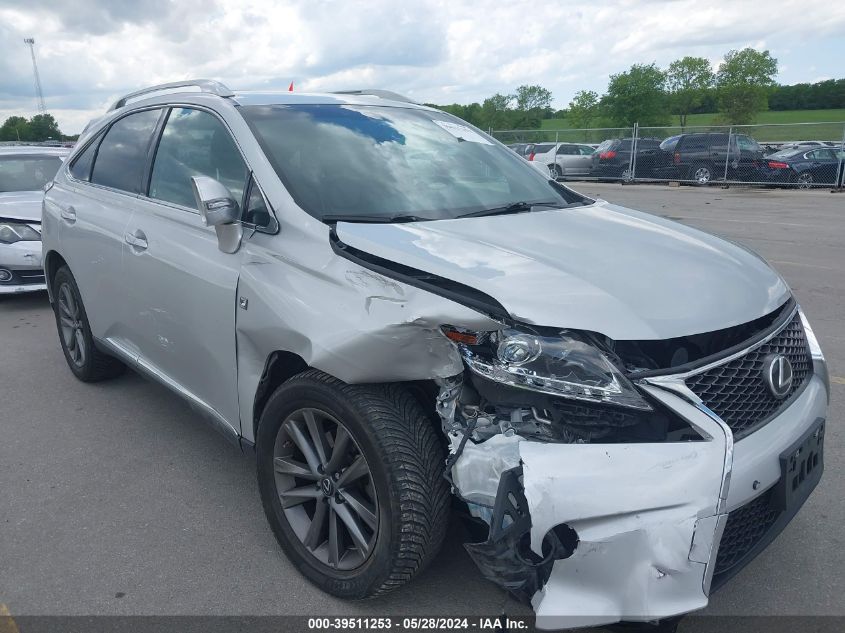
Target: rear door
183,287
824,164
94,209
572,161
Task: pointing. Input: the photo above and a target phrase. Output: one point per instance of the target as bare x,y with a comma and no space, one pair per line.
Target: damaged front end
598,500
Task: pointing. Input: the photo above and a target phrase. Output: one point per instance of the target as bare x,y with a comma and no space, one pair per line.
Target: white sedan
24,171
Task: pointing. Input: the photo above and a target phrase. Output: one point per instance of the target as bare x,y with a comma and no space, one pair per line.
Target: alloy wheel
326,489
70,320
805,181
702,175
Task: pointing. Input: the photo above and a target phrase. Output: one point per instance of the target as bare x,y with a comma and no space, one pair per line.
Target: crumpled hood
21,205
605,268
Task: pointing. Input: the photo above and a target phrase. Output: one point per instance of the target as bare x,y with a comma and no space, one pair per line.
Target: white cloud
443,51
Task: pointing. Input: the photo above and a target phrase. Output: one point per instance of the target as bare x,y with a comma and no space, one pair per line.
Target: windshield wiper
516,207
373,219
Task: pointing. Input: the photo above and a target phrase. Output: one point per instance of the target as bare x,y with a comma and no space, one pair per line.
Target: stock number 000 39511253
418,623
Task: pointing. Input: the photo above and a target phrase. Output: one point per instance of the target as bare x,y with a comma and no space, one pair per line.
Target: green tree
744,80
532,98
637,96
15,128
496,112
43,127
583,109
688,80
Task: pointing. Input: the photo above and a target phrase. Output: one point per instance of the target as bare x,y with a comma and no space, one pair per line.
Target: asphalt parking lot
118,499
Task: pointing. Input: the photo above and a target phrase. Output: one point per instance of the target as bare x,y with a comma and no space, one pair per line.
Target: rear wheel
351,481
84,359
805,180
702,174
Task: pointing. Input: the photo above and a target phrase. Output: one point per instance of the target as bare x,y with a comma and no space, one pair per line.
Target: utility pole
40,94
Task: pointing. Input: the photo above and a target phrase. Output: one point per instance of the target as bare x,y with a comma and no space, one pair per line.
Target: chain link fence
801,155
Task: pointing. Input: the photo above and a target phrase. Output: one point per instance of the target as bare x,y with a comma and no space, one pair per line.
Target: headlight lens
11,232
565,365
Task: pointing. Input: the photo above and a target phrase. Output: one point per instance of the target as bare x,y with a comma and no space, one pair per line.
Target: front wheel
350,477
556,171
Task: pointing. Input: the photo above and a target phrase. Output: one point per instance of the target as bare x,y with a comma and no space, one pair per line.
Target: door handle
69,214
136,240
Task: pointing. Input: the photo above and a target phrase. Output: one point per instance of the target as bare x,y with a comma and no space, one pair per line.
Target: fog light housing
5,275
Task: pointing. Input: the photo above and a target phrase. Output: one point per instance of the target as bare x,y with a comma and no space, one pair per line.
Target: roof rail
381,94
205,85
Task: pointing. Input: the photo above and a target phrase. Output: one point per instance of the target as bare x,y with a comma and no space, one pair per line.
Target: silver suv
403,318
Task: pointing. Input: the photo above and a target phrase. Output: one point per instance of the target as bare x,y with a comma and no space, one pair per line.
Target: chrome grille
736,390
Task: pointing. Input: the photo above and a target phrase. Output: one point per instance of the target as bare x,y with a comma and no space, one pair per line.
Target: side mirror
214,201
219,209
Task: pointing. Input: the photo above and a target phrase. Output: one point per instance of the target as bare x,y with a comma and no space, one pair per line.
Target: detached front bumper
650,518
20,268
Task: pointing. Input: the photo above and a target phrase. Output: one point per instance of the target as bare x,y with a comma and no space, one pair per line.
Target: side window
747,143
697,143
586,150
81,166
122,157
256,210
822,154
195,143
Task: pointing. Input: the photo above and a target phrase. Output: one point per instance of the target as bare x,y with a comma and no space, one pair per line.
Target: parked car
562,159
612,158
806,167
608,393
807,144
24,170
523,149
704,157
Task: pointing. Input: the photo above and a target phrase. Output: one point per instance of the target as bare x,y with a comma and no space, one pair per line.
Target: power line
42,108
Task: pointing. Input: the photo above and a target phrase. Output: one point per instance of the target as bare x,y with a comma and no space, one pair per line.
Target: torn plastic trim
505,558
453,290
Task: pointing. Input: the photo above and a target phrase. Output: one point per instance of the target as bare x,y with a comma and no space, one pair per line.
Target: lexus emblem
777,372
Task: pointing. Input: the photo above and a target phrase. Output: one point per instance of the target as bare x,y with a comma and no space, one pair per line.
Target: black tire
805,180
87,363
405,457
555,171
701,174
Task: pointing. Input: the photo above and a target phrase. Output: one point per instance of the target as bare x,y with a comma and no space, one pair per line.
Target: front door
182,287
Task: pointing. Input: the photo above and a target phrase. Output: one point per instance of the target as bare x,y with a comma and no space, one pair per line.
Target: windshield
27,173
373,162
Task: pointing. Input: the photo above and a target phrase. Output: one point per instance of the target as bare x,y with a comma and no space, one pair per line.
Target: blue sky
443,51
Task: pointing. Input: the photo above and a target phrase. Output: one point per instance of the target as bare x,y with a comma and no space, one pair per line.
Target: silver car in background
562,160
24,171
398,315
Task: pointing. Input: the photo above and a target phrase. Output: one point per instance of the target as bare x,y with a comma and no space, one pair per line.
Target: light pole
30,41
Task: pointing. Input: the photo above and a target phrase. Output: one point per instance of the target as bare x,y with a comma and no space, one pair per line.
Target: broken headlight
565,365
11,232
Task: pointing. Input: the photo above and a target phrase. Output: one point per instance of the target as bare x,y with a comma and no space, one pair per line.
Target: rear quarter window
82,164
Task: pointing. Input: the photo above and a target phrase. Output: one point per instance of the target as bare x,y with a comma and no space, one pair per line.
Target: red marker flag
290,87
